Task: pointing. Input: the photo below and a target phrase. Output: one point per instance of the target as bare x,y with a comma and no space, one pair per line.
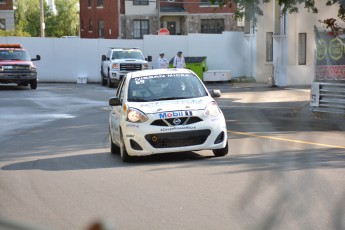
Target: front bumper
206,135
23,77
116,75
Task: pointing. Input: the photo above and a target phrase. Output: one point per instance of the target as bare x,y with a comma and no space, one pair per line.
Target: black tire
33,84
114,149
123,152
116,84
221,152
109,84
103,80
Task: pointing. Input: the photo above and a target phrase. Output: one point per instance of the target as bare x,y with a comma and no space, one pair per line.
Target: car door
117,114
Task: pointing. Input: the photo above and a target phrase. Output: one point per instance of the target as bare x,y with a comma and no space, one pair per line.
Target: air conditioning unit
171,0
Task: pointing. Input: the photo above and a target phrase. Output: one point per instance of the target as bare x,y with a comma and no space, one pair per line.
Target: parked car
120,61
165,110
16,66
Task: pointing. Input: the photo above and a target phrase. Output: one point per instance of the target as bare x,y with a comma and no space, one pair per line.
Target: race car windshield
14,55
165,87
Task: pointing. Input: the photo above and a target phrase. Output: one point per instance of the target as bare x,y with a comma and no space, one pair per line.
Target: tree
64,22
27,16
251,8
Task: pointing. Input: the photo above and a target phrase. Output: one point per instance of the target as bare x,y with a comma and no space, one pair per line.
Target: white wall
64,59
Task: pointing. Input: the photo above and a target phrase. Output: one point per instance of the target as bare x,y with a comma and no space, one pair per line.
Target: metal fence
331,98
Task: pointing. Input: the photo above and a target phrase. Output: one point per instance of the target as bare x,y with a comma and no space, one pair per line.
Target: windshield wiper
169,98
136,99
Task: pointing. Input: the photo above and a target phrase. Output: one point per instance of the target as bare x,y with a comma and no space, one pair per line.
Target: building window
208,3
101,29
140,2
277,17
2,24
99,3
140,27
212,26
89,3
302,49
2,1
90,24
269,47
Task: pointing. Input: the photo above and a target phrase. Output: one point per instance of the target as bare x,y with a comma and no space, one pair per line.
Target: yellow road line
285,139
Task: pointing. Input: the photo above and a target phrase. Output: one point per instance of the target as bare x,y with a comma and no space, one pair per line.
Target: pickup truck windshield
127,54
14,55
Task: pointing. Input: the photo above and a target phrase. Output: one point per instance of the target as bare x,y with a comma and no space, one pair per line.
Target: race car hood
172,105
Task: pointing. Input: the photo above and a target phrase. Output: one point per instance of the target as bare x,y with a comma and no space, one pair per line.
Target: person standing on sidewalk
162,62
179,61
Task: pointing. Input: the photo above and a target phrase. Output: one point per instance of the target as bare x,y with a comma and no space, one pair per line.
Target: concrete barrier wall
64,59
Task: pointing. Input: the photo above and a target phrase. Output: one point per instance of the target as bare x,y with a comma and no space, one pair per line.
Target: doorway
171,27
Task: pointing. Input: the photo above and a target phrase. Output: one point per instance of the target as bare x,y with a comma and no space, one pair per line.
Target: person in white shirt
179,61
162,62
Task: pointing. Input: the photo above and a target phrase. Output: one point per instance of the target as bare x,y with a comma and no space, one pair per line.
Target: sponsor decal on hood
172,105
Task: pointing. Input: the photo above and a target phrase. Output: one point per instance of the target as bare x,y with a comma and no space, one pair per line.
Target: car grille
16,68
130,67
174,121
178,139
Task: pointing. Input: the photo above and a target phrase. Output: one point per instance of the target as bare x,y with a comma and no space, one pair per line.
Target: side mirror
38,57
216,93
104,57
149,58
114,101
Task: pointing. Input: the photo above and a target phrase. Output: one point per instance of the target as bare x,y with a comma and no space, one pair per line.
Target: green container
196,64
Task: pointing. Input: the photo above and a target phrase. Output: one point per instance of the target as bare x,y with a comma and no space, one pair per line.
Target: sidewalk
290,102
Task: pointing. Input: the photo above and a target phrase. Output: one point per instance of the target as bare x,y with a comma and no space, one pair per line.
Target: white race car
163,111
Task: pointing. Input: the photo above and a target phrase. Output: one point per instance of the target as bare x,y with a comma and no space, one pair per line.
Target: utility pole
158,15
42,19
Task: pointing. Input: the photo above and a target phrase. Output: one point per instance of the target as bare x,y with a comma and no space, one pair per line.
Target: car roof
150,72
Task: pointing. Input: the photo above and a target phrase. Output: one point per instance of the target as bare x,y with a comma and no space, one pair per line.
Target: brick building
6,15
99,18
133,19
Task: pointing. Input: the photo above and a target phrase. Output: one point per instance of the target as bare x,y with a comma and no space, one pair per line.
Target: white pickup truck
119,61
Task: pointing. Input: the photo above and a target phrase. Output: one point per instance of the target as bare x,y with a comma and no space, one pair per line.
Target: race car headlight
115,66
136,116
212,109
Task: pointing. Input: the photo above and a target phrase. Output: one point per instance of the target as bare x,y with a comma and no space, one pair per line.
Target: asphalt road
284,171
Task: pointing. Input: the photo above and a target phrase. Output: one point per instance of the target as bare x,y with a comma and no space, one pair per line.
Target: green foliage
5,33
250,9
64,22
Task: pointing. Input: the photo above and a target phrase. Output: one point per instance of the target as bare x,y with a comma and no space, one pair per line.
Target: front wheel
109,83
33,84
123,152
221,152
103,80
113,148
